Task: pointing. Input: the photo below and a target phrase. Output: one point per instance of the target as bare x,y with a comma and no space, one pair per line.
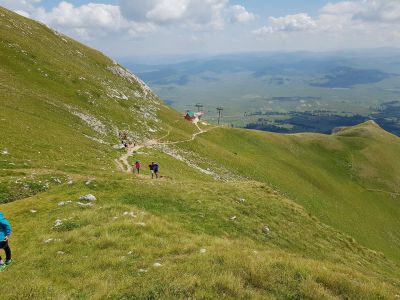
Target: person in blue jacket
5,231
155,169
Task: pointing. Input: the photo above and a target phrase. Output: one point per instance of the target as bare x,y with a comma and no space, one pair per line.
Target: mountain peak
367,129
371,123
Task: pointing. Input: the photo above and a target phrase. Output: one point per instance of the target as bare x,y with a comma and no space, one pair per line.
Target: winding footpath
123,163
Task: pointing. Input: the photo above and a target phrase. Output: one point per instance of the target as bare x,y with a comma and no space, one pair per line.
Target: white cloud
90,20
343,7
168,11
289,23
265,30
90,15
297,22
367,10
387,11
21,5
133,18
241,15
359,17
196,14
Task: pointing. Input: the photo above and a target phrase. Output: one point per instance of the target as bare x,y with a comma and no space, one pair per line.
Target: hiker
5,231
151,167
138,165
155,169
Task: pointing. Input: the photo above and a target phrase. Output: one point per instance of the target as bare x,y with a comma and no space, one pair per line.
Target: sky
134,28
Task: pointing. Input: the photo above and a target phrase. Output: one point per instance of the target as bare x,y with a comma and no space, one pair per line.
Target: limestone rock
88,197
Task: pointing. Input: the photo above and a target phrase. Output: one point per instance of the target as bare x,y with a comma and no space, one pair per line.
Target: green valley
285,92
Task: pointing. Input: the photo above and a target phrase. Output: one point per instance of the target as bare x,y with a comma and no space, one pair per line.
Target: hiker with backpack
138,165
153,169
5,231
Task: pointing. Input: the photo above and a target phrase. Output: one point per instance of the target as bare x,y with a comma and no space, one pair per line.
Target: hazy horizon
170,58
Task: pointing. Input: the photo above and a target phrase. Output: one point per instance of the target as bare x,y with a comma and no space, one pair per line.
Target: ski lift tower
219,113
199,106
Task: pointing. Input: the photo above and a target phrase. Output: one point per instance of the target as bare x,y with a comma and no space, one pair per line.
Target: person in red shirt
138,165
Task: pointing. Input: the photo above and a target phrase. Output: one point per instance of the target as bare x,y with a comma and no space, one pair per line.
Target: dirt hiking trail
123,163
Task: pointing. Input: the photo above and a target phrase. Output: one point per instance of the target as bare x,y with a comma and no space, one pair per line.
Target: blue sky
131,28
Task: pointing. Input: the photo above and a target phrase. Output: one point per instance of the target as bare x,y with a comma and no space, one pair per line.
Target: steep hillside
236,214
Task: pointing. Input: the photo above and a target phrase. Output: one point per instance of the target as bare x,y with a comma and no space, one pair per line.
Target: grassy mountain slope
200,231
350,180
63,104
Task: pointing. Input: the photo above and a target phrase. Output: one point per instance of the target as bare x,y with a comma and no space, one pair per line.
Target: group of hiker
153,168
